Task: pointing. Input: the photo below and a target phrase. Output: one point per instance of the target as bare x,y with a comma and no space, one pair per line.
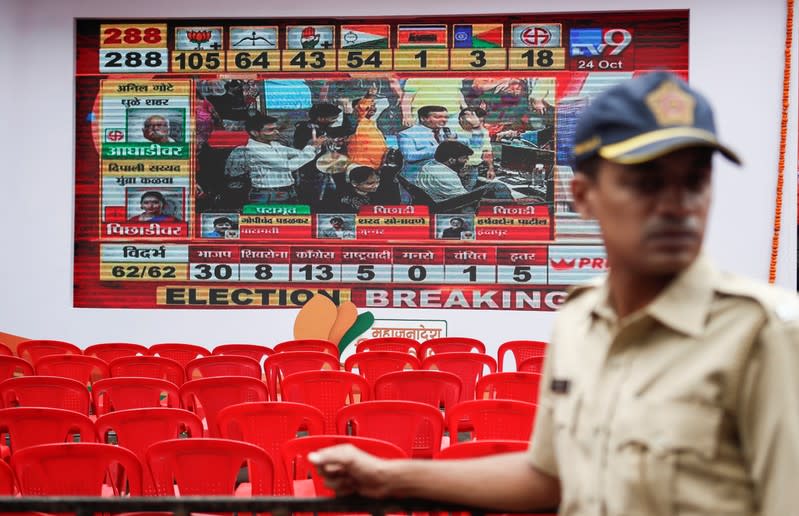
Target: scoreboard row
162,60
532,265
327,273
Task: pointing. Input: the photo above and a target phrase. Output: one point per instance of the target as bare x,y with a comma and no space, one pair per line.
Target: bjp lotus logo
199,37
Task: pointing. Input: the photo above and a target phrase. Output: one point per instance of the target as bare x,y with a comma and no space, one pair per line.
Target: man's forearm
503,482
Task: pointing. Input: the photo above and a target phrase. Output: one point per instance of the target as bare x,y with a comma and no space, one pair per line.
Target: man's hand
345,104
540,106
319,142
508,133
347,470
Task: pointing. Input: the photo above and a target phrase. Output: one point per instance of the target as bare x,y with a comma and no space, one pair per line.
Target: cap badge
671,105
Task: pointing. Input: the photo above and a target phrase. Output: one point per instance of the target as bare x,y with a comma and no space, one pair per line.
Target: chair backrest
493,419
400,344
328,391
254,351
437,388
33,350
6,351
269,424
450,345
8,482
322,345
417,428
29,426
108,351
279,365
520,350
471,449
179,352
82,368
533,364
205,466
295,455
374,364
509,385
207,396
130,392
149,367
223,365
11,367
45,391
138,429
469,367
73,469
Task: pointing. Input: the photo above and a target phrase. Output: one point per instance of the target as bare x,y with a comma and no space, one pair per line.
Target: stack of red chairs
260,405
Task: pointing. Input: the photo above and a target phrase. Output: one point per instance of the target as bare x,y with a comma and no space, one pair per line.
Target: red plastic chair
11,367
509,386
328,391
149,367
279,365
223,365
469,367
30,426
374,364
253,351
205,466
45,391
207,396
73,469
295,455
437,388
86,370
471,449
5,351
451,345
33,350
108,351
8,482
493,419
532,365
520,350
325,346
398,344
179,352
268,425
417,428
130,392
138,429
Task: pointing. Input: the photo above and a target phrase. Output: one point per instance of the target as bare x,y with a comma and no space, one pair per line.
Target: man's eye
647,184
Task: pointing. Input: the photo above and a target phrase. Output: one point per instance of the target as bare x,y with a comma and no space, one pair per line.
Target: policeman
672,388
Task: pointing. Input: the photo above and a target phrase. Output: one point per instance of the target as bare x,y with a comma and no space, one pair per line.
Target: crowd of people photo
337,145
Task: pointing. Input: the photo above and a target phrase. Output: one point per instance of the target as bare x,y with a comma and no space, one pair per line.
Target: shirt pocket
649,443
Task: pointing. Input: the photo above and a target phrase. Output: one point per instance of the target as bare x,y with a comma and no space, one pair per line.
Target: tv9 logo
598,42
600,48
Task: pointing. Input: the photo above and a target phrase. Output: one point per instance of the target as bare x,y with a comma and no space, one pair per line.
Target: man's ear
582,188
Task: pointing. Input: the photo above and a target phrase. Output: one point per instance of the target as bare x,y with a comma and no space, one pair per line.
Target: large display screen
395,162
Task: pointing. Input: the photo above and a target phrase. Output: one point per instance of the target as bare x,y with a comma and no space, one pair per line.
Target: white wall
736,59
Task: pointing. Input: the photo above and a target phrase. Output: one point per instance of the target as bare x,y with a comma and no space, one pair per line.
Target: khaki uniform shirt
689,406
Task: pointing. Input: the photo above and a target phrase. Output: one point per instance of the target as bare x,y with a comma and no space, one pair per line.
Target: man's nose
677,198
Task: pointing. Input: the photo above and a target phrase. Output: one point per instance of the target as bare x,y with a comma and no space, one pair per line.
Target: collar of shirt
682,306
255,144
